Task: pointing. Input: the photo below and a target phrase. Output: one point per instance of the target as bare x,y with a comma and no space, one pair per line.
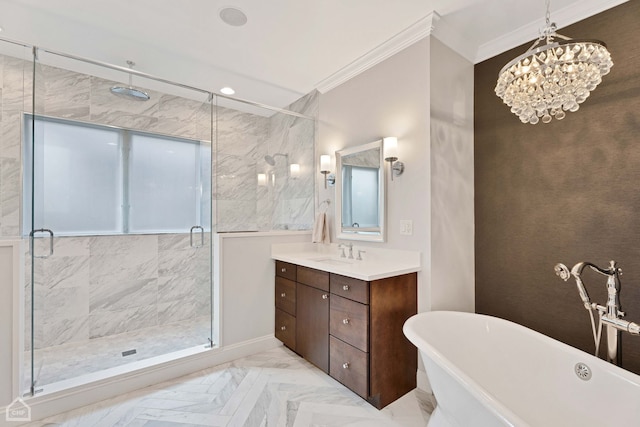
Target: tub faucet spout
610,315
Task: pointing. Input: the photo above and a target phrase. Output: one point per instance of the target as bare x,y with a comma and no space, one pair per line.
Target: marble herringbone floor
274,388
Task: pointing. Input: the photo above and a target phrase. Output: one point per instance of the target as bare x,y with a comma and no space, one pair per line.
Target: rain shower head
271,159
130,92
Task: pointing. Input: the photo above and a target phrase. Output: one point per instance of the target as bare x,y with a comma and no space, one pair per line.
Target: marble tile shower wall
93,287
243,141
97,286
291,205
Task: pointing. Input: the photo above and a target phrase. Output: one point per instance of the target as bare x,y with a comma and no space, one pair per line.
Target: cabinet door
312,325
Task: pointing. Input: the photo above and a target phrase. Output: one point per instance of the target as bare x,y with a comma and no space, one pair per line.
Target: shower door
117,207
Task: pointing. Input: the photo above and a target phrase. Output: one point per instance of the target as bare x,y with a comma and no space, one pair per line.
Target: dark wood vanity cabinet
351,329
302,312
312,334
285,325
368,351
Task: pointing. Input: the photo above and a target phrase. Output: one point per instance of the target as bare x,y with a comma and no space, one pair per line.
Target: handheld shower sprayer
609,315
562,271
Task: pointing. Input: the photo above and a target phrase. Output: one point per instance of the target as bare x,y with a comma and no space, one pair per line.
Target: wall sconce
390,146
325,169
262,179
294,170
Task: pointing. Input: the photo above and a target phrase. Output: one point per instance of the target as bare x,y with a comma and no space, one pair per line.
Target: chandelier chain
548,15
549,31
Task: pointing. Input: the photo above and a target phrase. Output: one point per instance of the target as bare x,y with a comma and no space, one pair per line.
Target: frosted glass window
91,179
78,178
163,184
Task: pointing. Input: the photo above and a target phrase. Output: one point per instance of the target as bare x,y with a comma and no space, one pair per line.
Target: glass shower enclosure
116,208
108,177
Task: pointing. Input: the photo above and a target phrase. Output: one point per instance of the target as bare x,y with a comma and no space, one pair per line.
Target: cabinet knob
345,321
283,270
345,287
283,328
283,295
345,365
325,296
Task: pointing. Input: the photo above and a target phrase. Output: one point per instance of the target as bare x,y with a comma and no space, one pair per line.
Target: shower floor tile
71,360
274,388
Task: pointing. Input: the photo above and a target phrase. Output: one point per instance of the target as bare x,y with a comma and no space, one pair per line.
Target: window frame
125,137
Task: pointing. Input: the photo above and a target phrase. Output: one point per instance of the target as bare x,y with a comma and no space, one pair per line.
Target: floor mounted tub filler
486,371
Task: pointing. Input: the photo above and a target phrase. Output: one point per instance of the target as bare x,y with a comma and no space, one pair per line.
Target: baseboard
422,381
43,406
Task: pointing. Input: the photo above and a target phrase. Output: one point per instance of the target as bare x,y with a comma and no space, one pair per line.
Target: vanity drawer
286,329
349,321
286,295
286,270
348,287
349,366
312,277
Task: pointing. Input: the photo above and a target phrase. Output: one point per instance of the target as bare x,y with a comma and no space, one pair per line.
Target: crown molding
434,24
417,31
528,33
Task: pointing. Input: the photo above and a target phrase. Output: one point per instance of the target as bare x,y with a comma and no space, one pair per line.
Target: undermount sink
332,261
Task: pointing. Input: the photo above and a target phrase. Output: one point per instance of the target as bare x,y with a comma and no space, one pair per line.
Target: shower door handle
196,227
31,241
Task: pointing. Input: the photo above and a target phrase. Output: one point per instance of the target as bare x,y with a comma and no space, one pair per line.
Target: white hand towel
320,229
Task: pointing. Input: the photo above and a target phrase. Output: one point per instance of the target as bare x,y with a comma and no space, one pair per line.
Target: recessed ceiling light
233,16
227,90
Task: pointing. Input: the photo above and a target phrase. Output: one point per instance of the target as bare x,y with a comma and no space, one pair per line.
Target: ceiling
287,47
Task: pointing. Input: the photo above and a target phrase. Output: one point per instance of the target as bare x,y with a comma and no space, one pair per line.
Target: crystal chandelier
549,79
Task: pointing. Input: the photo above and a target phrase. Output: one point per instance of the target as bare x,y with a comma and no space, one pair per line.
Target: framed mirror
360,193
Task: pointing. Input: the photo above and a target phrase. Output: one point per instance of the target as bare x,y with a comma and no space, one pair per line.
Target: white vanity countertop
376,263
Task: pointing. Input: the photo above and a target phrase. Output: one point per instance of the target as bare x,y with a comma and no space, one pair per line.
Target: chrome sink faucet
342,246
609,315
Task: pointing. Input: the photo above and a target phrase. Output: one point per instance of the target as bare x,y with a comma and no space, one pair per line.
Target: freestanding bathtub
485,372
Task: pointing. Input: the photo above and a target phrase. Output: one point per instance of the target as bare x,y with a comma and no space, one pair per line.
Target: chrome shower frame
130,71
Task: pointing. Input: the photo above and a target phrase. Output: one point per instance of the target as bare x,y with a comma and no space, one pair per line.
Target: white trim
382,200
417,31
528,33
218,286
234,235
76,397
18,316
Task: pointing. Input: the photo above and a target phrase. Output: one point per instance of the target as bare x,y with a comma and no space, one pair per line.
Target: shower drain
583,371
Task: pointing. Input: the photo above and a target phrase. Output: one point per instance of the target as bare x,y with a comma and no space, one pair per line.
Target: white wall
452,208
423,95
247,273
390,99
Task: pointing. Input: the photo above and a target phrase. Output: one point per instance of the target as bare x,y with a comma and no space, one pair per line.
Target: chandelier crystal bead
548,80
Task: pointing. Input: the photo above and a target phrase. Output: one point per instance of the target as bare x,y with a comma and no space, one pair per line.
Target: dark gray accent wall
567,191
